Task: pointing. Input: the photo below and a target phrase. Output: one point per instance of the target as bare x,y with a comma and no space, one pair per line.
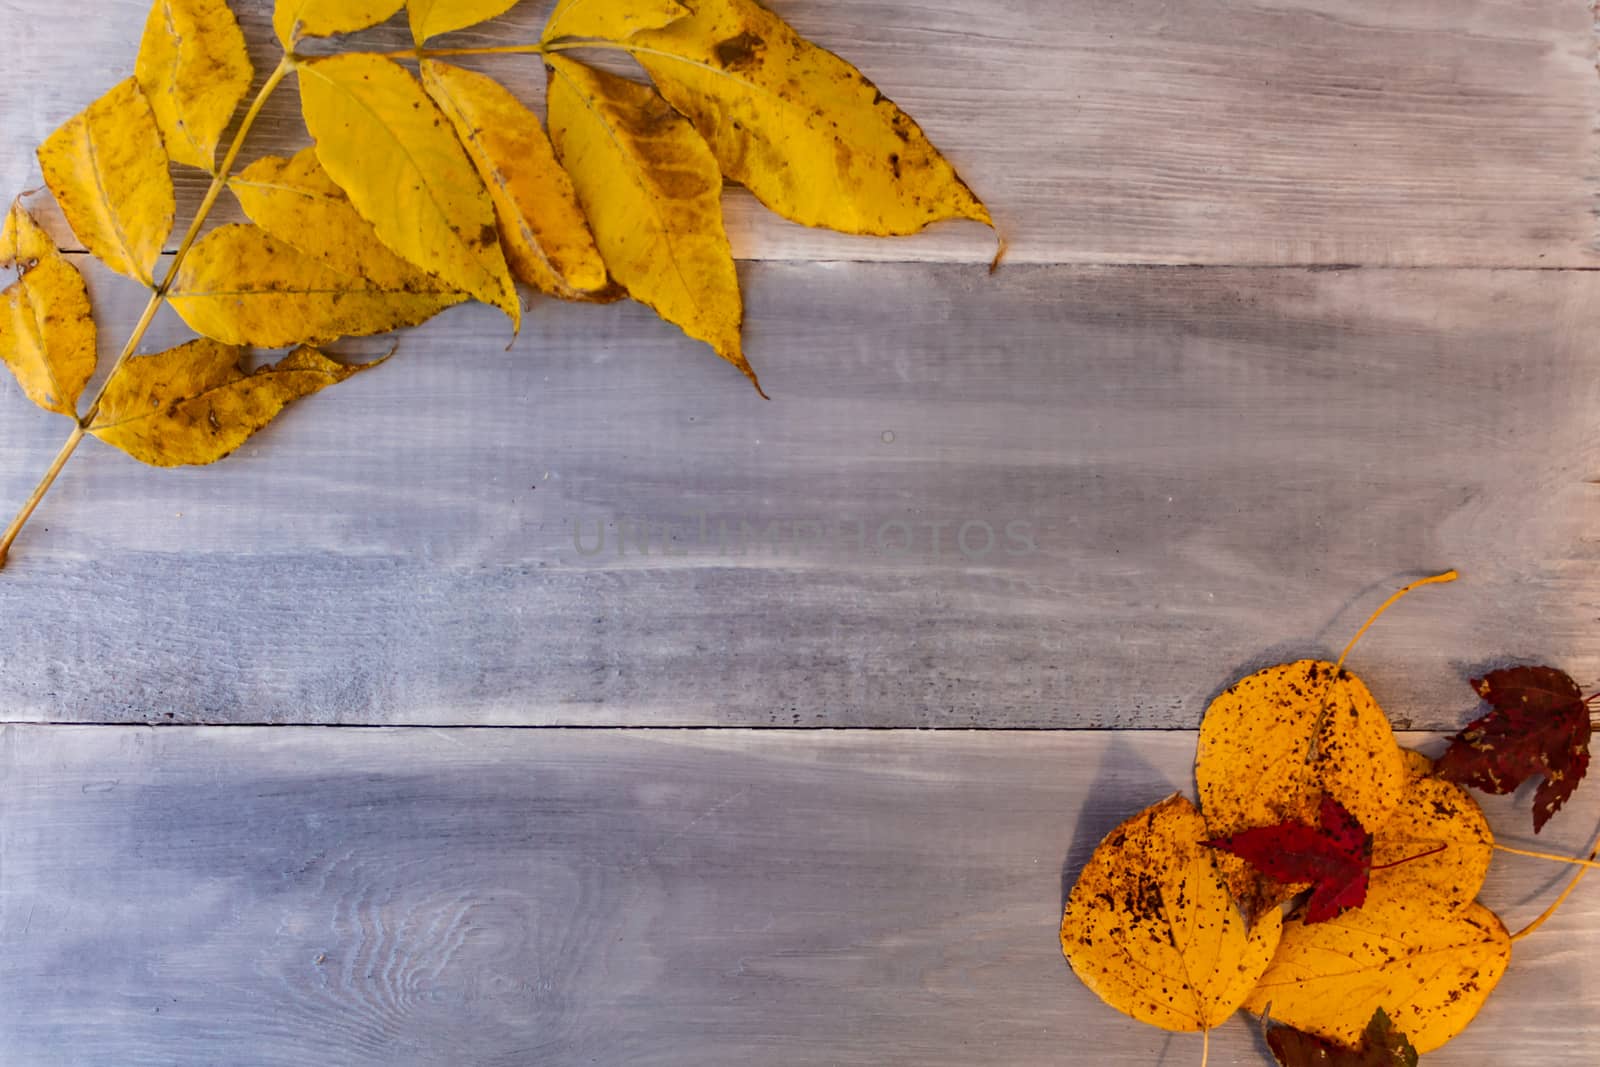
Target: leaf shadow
1125,783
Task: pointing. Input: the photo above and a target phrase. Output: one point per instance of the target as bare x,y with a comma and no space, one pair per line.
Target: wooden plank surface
1454,132
290,896
1215,468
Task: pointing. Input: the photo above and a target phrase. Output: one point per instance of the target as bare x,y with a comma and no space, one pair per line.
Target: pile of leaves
427,187
1327,880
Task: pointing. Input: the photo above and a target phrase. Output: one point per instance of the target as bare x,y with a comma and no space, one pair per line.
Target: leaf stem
539,49
39,491
1408,859
158,296
1205,1046
1447,576
1554,857
494,50
1555,905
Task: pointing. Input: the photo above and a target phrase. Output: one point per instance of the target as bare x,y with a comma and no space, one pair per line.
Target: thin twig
39,491
158,297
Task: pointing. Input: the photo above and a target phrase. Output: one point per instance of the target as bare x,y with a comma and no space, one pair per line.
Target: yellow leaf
108,171
194,404
799,127
609,20
47,334
542,228
194,69
295,201
1275,741
653,197
1151,929
294,20
430,18
1429,969
1431,813
384,142
23,242
241,286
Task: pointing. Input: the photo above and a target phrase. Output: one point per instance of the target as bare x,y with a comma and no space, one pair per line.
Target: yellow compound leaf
194,69
542,228
108,171
430,18
653,196
387,146
241,286
295,201
47,334
799,127
1275,741
1432,813
609,20
1428,968
294,20
1151,929
195,404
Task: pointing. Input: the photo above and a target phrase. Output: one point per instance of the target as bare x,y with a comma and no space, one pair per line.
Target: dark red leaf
1381,1046
1539,728
1335,857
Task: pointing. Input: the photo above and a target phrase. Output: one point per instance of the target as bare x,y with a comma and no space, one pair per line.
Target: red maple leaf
1381,1046
1539,728
1335,857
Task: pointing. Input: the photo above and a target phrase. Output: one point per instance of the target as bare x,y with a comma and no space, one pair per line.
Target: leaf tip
738,360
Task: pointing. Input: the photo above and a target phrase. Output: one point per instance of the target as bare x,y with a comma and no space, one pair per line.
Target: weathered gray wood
1457,132
291,896
1219,468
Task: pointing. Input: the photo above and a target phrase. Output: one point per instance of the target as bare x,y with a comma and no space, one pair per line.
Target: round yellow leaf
1151,929
1432,813
1275,741
1429,969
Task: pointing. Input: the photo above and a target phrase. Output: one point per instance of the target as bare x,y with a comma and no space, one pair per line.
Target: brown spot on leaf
739,52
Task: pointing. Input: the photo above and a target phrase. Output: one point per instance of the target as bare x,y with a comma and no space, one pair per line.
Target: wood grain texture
1219,469
290,896
1453,132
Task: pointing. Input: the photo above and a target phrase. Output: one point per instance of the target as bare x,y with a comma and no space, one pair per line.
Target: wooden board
289,896
1454,132
1214,468
1188,473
